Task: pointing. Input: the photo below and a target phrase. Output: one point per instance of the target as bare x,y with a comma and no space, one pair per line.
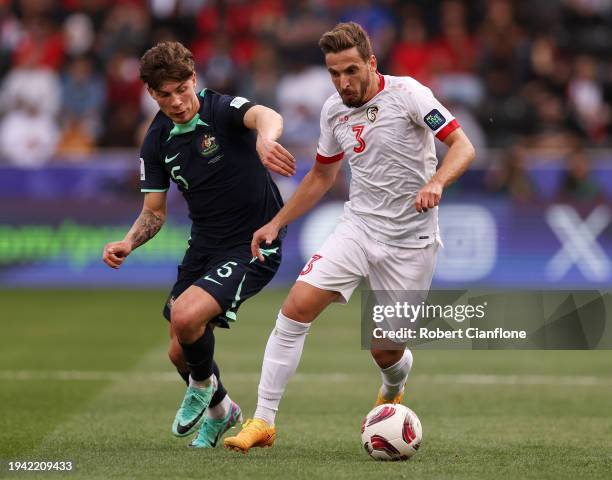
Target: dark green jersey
213,161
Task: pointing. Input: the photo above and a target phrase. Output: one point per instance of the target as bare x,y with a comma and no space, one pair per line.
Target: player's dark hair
345,36
166,61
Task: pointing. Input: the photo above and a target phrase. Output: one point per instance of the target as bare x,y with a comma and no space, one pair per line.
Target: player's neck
376,85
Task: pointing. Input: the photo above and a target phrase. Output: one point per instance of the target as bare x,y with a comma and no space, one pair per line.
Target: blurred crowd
519,75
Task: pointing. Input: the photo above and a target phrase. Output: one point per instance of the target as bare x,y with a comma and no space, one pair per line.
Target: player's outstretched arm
315,184
269,126
148,223
456,161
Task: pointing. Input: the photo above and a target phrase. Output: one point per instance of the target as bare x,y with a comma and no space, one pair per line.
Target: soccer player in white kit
384,126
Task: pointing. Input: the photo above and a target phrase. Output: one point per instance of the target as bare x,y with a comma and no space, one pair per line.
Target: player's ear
373,63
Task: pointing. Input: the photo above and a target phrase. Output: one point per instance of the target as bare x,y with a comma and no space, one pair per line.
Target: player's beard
360,99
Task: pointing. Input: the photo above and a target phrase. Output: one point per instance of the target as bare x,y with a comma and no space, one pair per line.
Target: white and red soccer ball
391,432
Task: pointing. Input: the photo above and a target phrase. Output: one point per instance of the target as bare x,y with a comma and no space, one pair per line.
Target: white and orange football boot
255,433
381,400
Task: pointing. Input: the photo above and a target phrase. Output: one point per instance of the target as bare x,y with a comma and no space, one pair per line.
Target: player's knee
386,358
296,307
183,321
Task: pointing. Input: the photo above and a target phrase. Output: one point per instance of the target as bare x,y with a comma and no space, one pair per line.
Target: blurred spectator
40,44
75,141
28,136
505,50
96,10
220,72
585,95
504,114
411,56
83,96
577,183
587,22
460,88
162,9
79,34
544,56
266,15
121,127
33,85
509,177
455,50
123,87
299,31
10,33
123,80
377,19
261,84
36,8
553,125
453,59
301,94
126,28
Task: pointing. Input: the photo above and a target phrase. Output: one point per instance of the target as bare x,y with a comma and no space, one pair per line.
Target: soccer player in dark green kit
217,149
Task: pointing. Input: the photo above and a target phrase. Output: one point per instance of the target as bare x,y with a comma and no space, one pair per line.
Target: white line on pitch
461,379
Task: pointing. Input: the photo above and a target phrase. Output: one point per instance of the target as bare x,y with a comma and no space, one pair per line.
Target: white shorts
349,255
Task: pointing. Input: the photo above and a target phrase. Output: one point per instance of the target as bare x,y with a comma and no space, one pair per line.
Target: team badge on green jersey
208,145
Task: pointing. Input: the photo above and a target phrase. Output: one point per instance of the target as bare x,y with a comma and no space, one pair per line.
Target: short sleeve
229,111
328,149
153,176
429,113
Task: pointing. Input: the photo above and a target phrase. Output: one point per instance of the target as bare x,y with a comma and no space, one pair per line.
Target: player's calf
189,319
175,354
386,358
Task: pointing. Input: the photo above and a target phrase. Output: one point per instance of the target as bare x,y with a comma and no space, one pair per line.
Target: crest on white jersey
371,113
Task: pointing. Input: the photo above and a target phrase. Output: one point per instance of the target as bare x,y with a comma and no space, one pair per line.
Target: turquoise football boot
191,411
212,430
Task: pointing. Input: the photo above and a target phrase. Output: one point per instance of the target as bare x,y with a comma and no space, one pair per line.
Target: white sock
203,383
221,410
281,359
394,377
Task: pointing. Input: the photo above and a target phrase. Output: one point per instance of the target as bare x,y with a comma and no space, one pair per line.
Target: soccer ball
391,432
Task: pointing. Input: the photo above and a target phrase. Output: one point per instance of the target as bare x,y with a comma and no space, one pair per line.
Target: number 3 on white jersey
361,144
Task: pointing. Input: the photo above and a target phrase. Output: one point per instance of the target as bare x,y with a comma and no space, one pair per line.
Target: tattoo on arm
145,227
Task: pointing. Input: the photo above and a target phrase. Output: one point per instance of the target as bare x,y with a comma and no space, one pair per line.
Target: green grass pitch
84,377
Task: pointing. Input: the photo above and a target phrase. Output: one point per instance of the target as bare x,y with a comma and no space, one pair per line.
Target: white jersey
389,144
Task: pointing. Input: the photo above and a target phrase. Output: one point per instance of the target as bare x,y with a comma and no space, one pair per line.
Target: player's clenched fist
428,196
115,253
